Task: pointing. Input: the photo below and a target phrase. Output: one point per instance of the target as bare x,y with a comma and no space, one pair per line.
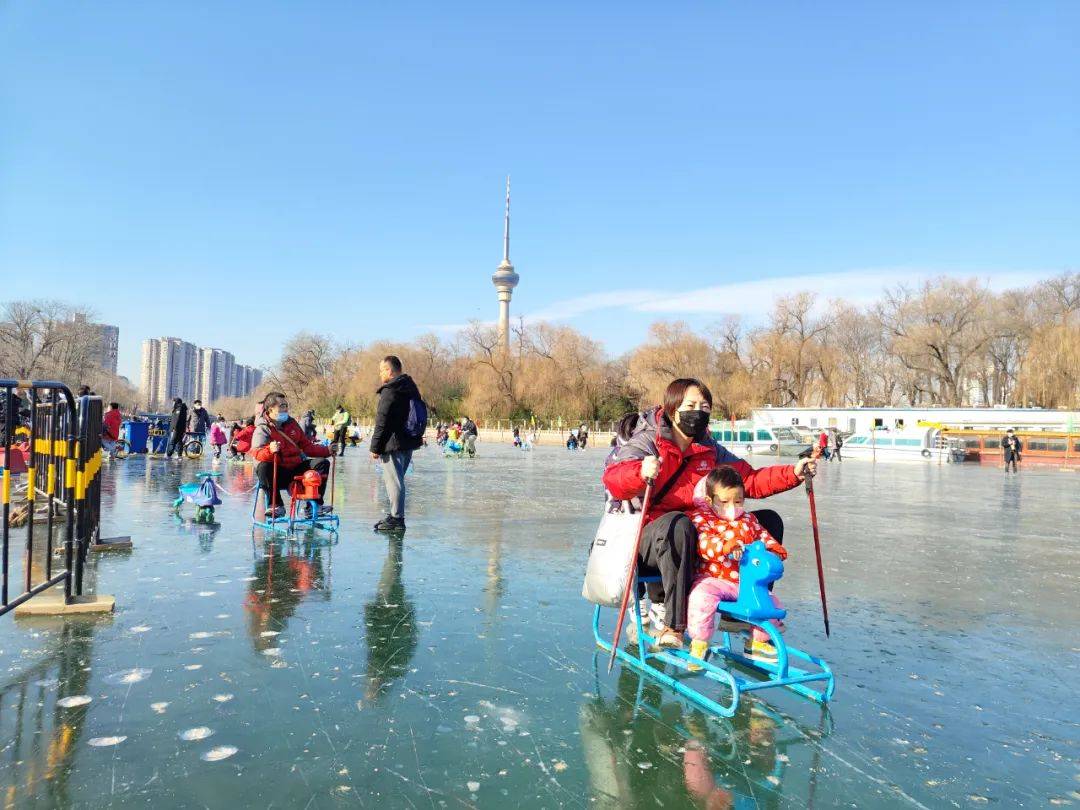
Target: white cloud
756,297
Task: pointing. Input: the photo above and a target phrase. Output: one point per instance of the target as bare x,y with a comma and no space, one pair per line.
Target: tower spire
506,225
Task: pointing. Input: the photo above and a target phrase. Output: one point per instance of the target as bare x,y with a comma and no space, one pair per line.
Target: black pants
1011,458
669,547
264,470
339,439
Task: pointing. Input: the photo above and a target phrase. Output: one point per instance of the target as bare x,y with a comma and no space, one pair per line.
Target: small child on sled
724,529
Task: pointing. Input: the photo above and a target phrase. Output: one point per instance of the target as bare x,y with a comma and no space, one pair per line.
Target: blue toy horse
757,569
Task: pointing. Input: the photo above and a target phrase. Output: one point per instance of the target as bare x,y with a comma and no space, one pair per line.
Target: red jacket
653,437
294,445
242,439
110,425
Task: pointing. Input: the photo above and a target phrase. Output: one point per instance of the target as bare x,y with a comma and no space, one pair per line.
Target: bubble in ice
644,765
160,707
472,719
269,633
47,683
192,667
472,786
197,733
103,742
222,698
141,628
73,700
272,651
128,676
201,634
207,593
219,753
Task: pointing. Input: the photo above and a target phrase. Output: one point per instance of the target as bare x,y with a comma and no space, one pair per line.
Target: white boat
744,437
911,444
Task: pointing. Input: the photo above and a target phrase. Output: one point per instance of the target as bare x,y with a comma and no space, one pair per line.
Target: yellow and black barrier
54,440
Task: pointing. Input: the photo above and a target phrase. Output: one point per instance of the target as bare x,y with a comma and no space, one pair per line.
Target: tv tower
504,278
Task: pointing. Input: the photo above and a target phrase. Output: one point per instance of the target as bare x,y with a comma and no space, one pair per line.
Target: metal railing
55,441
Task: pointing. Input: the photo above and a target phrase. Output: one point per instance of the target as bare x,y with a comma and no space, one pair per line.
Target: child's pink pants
705,595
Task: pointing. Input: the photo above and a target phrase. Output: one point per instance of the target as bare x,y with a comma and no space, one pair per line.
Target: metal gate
51,464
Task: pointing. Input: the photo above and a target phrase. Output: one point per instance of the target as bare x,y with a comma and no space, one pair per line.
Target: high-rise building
105,343
172,367
214,375
151,368
504,278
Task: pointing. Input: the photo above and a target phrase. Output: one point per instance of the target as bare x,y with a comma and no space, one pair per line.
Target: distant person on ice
1011,447
177,426
400,422
340,421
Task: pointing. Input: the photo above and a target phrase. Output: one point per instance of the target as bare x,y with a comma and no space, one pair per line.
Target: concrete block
51,603
122,543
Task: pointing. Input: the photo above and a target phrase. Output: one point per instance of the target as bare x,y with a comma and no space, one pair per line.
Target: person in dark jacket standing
390,440
307,424
177,426
199,421
1012,448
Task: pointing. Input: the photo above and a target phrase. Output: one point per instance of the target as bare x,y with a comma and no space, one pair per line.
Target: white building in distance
173,367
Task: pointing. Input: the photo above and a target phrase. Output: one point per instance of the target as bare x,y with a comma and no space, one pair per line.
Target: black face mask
693,423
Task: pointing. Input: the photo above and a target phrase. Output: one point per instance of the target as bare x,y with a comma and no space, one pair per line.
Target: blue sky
234,172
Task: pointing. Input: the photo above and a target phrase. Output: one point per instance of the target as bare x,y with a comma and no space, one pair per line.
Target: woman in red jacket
278,436
671,444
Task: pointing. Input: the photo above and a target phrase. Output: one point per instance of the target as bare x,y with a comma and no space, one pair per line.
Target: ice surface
459,662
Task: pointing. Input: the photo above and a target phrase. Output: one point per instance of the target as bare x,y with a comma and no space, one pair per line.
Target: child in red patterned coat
724,529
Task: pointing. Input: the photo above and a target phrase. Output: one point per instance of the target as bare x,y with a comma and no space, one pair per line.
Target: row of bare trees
944,342
50,340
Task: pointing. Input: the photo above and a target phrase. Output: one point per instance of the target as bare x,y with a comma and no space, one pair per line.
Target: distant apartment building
172,367
215,374
105,347
245,380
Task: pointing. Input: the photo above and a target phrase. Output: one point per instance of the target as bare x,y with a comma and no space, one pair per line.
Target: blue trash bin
136,434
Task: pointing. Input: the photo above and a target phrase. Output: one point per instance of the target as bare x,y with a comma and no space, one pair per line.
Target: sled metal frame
288,523
779,673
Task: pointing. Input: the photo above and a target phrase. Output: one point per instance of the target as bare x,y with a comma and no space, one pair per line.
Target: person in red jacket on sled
671,445
278,436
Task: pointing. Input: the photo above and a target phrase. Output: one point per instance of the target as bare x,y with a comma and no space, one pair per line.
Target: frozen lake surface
457,668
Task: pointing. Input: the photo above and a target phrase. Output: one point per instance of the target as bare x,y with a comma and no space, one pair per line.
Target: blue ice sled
795,670
290,521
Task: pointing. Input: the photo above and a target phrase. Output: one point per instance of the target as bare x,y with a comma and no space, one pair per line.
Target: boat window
899,424
862,440
726,436
972,444
813,421
764,436
1076,446
914,443
880,442
746,435
851,425
1057,445
1036,444
992,443
878,423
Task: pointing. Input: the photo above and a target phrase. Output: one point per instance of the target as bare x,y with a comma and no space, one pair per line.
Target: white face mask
730,511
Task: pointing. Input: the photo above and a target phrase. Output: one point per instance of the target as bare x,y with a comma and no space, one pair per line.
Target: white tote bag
611,554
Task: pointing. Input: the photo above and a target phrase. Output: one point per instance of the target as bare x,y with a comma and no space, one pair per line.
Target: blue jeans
393,469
